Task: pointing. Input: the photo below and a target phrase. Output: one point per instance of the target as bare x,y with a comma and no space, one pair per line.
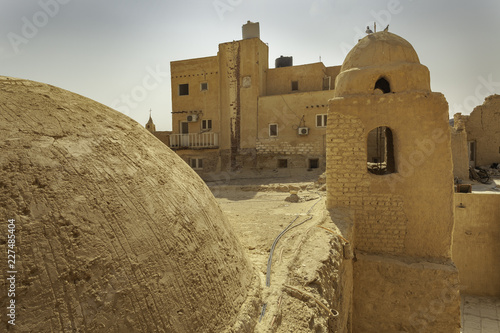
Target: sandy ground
259,217
259,212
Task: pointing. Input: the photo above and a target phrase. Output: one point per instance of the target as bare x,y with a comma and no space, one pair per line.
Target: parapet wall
476,246
393,295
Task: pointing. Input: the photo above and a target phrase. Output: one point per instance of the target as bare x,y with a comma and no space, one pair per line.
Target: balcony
194,140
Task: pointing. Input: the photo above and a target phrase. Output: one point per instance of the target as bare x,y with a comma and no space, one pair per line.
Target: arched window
380,149
383,85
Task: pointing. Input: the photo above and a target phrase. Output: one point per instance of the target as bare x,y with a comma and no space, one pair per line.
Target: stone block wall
268,152
211,159
403,279
384,227
382,221
346,170
287,148
422,156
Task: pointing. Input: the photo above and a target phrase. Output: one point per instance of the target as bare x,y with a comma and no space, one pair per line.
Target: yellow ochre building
232,112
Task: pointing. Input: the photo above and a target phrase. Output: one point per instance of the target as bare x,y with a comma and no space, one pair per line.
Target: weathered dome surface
379,49
381,55
114,232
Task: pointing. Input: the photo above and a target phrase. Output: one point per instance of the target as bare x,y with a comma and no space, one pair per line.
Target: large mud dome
114,232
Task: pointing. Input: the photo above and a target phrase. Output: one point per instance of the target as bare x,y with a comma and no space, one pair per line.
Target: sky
118,52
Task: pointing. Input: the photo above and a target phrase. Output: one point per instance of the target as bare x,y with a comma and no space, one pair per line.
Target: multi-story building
231,111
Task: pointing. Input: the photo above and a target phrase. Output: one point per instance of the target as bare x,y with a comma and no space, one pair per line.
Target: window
282,163
196,163
321,120
380,149
273,129
383,85
295,85
313,163
203,86
183,89
184,127
206,124
327,82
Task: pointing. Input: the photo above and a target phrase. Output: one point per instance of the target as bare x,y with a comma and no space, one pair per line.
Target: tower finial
150,126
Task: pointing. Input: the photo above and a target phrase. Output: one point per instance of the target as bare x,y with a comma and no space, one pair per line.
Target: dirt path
258,217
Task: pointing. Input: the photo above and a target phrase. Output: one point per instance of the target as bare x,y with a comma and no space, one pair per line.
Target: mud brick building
233,111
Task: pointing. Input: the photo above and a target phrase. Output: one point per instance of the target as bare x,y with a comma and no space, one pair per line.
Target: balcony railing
195,140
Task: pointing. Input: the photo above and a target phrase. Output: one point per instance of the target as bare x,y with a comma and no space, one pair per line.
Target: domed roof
378,49
116,232
381,57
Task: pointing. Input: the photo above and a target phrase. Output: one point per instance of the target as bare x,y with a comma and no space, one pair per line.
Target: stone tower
402,202
150,126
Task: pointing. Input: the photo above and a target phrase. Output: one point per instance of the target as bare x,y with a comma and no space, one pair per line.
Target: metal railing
195,140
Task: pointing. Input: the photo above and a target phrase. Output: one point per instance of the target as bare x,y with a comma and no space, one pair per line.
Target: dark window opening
183,89
184,127
313,163
380,151
472,151
206,124
282,163
295,85
273,130
327,82
321,120
196,163
204,86
383,85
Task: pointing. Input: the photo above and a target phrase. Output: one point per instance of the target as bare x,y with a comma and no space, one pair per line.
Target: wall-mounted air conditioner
192,118
303,130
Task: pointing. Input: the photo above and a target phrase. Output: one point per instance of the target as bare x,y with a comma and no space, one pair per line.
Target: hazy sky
118,52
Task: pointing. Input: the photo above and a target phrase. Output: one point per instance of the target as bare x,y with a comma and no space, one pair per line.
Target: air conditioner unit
192,118
303,130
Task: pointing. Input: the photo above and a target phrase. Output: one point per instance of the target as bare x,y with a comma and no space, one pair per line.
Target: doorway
472,153
184,126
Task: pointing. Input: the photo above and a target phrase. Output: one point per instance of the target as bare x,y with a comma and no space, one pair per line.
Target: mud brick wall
381,226
286,148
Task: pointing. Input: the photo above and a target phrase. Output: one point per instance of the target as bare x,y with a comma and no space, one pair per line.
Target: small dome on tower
382,62
379,49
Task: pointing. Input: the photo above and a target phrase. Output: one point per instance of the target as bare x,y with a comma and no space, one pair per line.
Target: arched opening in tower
383,85
380,151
